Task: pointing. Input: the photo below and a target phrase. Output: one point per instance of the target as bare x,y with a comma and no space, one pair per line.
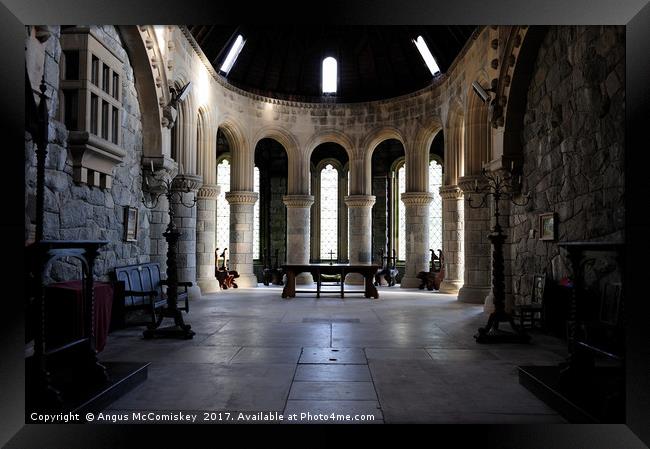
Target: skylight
232,55
426,55
329,75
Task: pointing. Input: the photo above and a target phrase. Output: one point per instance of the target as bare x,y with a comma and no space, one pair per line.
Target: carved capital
360,200
416,198
468,183
241,197
302,201
208,192
184,182
451,192
169,116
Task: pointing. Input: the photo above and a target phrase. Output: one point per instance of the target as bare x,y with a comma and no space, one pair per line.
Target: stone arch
330,135
138,42
529,40
324,136
454,144
290,145
241,156
417,155
206,145
368,147
477,131
185,132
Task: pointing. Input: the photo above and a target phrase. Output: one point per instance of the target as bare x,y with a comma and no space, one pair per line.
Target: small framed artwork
610,303
130,224
548,226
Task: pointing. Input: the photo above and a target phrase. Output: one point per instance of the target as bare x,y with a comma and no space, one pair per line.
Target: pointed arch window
329,199
435,210
401,213
330,75
223,208
256,214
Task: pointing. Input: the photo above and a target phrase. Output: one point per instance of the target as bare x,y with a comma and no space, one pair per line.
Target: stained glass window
435,209
401,214
329,198
256,215
223,208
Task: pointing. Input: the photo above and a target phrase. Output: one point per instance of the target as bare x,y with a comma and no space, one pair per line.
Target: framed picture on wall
130,224
548,226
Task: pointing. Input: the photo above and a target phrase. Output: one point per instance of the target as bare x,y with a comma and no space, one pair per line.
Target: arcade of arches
327,180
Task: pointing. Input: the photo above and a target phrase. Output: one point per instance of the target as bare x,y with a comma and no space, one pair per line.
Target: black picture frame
130,224
548,226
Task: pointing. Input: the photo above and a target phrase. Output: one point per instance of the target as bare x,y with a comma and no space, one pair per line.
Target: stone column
452,238
477,285
205,238
359,233
241,236
417,236
185,218
298,227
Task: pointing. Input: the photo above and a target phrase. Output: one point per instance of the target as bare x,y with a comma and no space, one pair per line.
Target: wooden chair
225,276
436,274
530,315
388,271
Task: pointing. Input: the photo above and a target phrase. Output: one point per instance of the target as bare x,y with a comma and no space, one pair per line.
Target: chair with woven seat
532,313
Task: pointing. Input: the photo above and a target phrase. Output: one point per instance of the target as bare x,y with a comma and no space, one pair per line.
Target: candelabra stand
173,189
498,188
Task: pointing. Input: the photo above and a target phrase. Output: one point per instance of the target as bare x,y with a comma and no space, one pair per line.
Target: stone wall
573,141
77,211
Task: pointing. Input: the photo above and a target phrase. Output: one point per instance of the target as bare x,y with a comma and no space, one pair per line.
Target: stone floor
409,357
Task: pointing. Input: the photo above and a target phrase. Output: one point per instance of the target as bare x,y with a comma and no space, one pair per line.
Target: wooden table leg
289,290
371,290
342,282
318,284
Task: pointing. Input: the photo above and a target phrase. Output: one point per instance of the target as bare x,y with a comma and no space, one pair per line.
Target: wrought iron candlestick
38,125
498,187
173,189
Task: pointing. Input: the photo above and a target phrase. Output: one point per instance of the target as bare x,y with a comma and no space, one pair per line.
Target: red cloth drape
65,313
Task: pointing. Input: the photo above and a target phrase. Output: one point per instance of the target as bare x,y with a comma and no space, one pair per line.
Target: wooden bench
139,287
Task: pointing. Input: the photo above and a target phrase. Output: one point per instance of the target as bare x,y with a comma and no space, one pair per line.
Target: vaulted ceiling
374,62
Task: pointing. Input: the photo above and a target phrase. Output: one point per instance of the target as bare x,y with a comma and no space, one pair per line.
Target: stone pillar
157,226
185,218
298,227
205,238
241,236
359,233
452,238
417,236
477,285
